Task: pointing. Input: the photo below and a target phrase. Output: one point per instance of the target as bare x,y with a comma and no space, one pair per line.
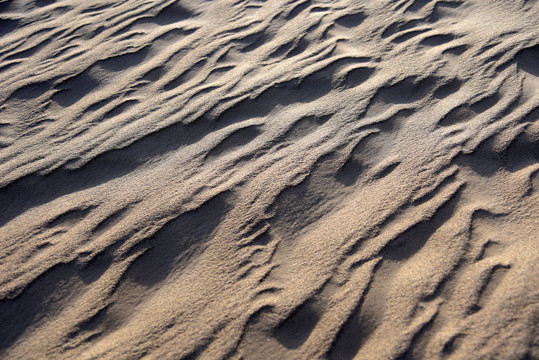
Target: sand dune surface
269,179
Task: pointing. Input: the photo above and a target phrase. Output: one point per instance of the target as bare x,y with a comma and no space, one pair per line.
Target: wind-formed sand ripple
269,179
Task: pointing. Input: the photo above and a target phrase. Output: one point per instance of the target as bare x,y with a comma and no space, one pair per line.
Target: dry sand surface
279,179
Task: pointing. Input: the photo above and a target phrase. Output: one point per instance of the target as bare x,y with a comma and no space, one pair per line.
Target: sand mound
273,179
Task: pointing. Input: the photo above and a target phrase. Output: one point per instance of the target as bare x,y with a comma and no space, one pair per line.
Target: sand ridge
269,179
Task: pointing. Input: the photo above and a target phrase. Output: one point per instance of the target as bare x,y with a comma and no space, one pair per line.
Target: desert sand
279,179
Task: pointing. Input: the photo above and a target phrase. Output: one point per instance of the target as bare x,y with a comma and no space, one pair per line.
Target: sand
271,179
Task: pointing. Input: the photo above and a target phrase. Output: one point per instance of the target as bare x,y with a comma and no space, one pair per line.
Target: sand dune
301,179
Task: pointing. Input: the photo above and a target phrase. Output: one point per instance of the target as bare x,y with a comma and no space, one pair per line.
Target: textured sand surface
319,179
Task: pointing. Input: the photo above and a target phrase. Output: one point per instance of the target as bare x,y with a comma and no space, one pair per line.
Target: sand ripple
269,179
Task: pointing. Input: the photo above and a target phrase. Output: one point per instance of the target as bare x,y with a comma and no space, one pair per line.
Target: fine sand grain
279,179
